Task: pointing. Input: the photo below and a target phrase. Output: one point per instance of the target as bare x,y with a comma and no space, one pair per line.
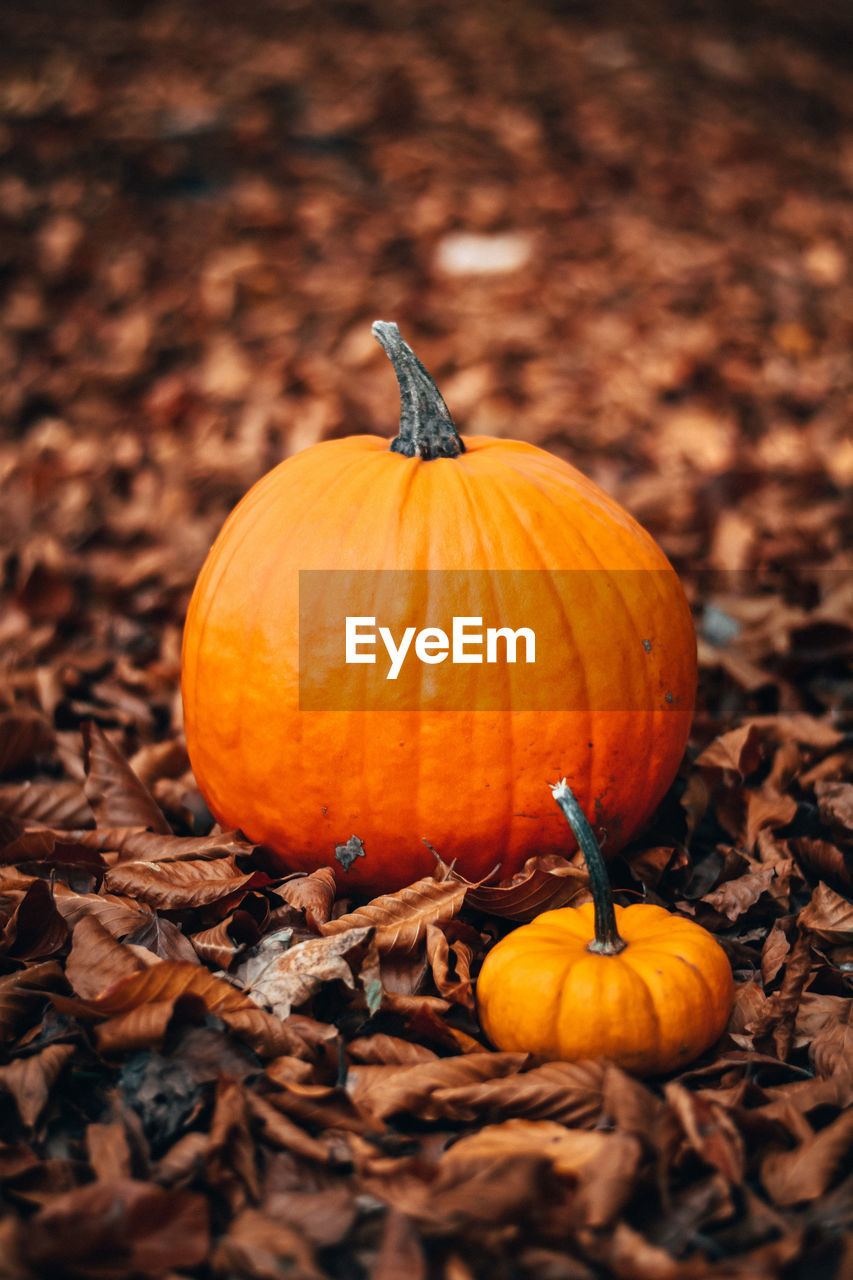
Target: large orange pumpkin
306,778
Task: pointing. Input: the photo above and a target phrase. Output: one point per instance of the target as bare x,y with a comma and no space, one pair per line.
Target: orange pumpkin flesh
467,781
654,997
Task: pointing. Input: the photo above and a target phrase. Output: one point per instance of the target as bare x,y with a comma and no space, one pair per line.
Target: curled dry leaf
119,916
569,1093
116,795
96,960
826,860
283,978
23,989
108,1150
709,1130
738,752
29,1080
134,845
603,1165
142,1028
62,805
162,939
401,919
451,966
387,1091
257,1245
314,894
385,1050
831,1047
172,980
35,928
537,889
835,802
827,915
121,1226
805,1173
176,886
220,945
24,733
733,898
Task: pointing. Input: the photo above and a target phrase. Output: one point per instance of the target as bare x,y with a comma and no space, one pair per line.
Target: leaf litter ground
622,236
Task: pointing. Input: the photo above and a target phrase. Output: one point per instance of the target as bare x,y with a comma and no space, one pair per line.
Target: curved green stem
607,941
426,427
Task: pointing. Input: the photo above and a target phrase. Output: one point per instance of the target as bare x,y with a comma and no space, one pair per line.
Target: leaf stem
607,940
426,427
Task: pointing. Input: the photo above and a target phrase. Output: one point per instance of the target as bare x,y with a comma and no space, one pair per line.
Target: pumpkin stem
426,427
607,941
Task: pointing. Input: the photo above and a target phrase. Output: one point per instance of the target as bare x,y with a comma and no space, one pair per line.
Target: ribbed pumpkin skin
472,783
654,1007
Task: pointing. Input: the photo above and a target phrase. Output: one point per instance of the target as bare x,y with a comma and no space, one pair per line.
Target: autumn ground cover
619,231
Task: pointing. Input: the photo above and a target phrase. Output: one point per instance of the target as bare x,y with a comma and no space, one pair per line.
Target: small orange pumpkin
305,781
645,988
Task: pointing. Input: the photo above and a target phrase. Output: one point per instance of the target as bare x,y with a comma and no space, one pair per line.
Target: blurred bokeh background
621,230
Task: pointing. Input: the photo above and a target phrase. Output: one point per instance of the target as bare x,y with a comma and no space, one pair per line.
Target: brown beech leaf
401,1255
134,845
567,1092
387,1091
175,886
385,1050
401,919
230,1162
835,803
774,952
464,1198
739,752
733,898
163,939
321,1106
709,1130
603,1164
30,1079
828,915
259,1247
44,851
539,890
792,1177
314,894
35,928
451,966
766,809
116,795
22,989
181,1163
24,733
283,978
809,731
222,943
62,805
281,1131
96,960
119,916
289,1070
825,859
831,1047
108,1150
169,981
777,1017
116,1228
